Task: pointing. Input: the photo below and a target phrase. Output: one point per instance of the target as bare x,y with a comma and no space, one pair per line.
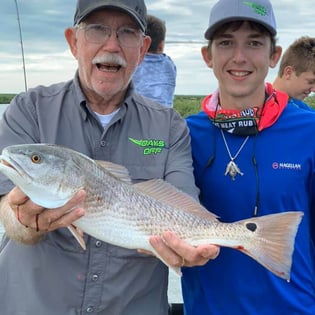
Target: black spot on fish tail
251,226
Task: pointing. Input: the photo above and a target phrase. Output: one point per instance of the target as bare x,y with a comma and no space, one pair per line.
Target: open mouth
108,67
239,74
9,167
4,162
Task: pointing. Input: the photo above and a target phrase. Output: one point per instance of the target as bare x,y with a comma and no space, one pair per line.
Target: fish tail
273,243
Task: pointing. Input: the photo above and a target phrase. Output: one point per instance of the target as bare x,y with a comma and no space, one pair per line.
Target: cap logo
258,9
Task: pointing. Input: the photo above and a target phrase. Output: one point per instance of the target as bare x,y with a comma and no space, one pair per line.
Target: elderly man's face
107,62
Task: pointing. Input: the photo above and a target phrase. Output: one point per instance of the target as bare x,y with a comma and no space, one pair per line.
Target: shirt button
90,309
98,243
103,143
95,277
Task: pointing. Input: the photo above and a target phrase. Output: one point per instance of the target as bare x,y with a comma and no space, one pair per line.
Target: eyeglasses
99,34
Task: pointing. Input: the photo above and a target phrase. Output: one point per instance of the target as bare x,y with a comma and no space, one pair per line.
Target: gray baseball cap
224,11
135,8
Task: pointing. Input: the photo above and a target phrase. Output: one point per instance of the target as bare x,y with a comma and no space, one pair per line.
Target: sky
48,59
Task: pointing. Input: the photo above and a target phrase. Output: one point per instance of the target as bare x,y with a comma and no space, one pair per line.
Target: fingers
178,253
64,216
16,197
41,219
167,253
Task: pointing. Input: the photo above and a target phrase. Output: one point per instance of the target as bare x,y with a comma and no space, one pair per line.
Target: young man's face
299,86
240,60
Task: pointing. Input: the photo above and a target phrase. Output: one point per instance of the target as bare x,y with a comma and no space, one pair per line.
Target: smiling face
298,86
105,69
240,59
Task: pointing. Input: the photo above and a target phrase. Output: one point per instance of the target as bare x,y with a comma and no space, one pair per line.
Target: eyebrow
230,35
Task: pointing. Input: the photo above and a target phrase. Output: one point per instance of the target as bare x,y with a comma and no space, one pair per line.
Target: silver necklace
232,169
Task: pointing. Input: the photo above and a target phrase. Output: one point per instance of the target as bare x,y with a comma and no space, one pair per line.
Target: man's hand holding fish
179,253
37,220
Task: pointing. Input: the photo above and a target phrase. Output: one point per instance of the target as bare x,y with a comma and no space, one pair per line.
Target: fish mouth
12,168
6,161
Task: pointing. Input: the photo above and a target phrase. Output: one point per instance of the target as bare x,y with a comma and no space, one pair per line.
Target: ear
206,55
275,57
288,71
70,35
144,48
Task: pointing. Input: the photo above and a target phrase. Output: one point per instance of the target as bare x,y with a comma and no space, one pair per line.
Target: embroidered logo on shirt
258,9
150,146
286,166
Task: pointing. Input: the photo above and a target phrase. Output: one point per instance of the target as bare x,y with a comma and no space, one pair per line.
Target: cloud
48,59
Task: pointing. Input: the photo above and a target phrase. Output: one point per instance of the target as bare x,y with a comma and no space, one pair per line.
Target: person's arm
28,223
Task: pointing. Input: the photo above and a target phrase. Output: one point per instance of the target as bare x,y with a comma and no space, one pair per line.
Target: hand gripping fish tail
50,175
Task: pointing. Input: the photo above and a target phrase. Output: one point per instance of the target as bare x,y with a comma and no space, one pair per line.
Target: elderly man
43,269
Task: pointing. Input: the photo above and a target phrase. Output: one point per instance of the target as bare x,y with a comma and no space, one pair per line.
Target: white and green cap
224,11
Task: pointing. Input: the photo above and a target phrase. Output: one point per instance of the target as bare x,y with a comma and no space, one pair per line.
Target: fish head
48,174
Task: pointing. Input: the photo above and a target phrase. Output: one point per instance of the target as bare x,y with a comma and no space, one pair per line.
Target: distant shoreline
9,96
184,104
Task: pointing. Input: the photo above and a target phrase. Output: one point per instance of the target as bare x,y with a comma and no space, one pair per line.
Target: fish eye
36,158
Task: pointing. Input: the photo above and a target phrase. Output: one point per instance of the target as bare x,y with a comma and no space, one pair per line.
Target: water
2,108
174,291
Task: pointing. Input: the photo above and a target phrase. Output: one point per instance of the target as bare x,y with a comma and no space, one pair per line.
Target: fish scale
126,214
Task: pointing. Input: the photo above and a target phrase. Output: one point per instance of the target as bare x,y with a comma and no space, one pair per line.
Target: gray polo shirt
56,277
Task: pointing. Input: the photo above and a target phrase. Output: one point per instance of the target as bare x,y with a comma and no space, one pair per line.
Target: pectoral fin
77,235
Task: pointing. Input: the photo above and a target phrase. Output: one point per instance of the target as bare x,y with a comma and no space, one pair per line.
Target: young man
43,269
296,75
155,77
253,155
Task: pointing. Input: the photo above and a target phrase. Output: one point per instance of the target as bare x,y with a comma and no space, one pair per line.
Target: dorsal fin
116,170
170,195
